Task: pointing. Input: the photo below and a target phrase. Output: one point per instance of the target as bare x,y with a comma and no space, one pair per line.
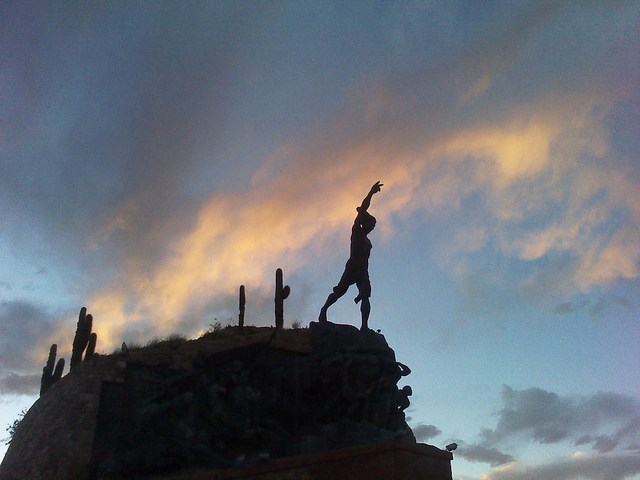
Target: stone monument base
394,460
260,403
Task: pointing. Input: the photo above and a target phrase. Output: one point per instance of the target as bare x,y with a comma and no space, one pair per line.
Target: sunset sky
156,155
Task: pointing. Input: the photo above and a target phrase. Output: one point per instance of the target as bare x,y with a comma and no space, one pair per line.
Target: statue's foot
322,318
357,299
365,328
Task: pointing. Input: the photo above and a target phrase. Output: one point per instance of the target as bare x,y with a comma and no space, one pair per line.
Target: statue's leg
338,291
364,293
365,308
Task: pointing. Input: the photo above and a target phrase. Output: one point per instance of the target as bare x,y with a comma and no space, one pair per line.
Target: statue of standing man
357,268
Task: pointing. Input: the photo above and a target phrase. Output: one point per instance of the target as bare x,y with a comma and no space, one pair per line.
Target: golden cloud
539,160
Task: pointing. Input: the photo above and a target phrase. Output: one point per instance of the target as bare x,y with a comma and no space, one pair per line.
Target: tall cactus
82,337
49,375
243,301
281,294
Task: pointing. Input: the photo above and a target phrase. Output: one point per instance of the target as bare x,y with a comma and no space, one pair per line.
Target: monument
321,402
356,271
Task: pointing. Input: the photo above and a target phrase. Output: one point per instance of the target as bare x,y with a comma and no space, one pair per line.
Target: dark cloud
15,384
564,308
601,467
546,417
22,325
604,304
626,433
605,443
479,453
583,440
606,421
596,307
424,432
114,109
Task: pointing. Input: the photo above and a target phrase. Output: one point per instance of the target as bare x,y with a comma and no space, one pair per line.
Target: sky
156,155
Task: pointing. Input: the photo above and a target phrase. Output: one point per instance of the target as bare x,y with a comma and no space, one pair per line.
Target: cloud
616,467
108,125
27,331
23,325
129,139
425,432
583,440
479,453
609,422
564,308
548,418
604,304
628,433
14,384
595,305
537,163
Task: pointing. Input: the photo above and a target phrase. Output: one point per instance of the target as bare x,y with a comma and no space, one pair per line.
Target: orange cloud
287,218
543,158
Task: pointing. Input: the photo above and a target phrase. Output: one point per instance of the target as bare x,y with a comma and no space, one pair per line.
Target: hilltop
232,397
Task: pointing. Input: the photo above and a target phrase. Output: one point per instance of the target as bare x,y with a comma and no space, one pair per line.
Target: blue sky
154,156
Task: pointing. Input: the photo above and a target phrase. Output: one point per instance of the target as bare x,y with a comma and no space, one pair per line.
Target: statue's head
367,222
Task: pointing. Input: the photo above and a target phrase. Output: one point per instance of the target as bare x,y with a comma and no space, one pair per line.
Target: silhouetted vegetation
12,427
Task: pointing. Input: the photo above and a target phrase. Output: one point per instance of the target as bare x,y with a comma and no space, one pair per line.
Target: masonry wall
308,399
54,440
383,461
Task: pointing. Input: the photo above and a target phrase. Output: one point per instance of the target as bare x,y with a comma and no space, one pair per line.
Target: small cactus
49,375
243,301
82,338
281,294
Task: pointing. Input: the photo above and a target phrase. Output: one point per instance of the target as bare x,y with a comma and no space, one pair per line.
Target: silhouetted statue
357,268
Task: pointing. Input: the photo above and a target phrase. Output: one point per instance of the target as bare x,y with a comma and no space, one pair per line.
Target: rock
265,394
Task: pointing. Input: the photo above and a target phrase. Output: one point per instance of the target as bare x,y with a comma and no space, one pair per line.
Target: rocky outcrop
258,394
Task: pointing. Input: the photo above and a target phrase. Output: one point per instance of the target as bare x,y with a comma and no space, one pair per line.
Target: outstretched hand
367,200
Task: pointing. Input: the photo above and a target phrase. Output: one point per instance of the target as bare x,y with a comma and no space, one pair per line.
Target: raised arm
367,200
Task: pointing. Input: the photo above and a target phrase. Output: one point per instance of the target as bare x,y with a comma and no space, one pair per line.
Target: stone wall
213,404
54,440
381,461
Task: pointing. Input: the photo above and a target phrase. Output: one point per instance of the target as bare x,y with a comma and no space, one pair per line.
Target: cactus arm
91,347
242,302
47,372
81,338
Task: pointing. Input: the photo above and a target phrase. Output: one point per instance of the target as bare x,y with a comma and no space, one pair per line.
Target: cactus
81,339
281,294
91,347
243,301
49,375
57,373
